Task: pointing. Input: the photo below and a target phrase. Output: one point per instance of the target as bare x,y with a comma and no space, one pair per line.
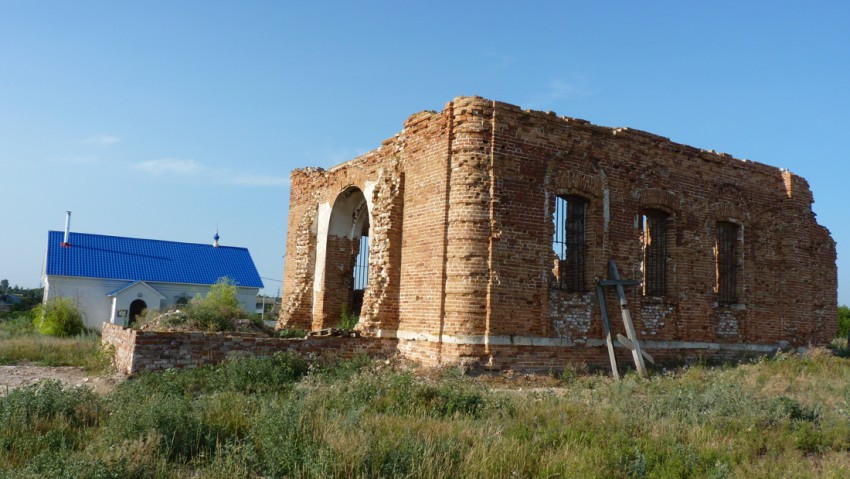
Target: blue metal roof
134,259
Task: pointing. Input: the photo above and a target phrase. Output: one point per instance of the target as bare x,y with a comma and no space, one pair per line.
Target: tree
4,285
843,322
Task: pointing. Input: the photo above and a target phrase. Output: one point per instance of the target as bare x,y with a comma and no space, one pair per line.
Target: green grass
280,417
20,342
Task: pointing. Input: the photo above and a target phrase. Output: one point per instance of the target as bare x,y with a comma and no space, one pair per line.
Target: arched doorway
346,260
136,308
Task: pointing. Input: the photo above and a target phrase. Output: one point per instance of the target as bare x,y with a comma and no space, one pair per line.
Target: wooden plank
628,345
600,294
627,320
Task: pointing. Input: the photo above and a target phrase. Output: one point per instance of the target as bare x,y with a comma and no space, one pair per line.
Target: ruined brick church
479,233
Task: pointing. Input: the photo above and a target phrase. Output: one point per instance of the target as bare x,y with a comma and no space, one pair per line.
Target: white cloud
102,140
174,166
224,176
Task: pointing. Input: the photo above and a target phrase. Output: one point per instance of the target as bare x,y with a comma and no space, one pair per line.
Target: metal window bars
361,264
727,262
569,241
655,253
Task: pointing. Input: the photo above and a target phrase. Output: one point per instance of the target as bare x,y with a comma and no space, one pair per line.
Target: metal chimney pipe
67,228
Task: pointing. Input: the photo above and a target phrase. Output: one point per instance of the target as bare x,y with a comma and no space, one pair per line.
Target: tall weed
277,417
45,417
84,351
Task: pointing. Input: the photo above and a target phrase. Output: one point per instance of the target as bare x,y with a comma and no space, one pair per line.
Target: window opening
361,272
569,241
559,241
727,262
361,264
655,253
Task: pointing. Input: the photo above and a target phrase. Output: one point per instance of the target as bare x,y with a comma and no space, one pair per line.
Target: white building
114,279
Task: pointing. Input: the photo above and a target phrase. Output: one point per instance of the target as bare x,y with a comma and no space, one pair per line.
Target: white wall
173,291
96,306
88,293
124,299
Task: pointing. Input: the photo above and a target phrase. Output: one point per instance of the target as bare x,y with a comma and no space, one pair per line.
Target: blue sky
161,119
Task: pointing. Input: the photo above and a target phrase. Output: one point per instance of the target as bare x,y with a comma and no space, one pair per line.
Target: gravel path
12,377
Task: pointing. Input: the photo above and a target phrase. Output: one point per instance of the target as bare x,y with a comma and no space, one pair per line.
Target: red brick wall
338,281
300,260
464,201
787,277
427,142
137,351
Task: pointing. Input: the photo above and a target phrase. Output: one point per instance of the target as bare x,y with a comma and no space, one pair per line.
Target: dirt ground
12,377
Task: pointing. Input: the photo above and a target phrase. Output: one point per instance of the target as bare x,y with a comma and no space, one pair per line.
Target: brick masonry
460,208
137,351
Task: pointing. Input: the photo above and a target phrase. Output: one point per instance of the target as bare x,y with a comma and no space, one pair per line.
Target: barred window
361,263
360,271
655,252
727,262
569,241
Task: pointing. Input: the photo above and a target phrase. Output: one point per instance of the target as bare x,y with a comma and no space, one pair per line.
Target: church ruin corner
480,232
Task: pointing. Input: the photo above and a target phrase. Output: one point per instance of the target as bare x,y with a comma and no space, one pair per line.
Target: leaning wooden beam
631,347
600,293
627,320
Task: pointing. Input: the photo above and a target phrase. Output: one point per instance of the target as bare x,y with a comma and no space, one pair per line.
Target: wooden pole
609,341
627,320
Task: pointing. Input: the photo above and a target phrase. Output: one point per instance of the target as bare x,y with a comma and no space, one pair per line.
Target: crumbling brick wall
461,206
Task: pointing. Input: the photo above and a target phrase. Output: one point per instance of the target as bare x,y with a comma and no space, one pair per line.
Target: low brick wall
137,351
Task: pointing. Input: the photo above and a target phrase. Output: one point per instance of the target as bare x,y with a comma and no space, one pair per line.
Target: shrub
292,333
59,317
348,320
213,312
216,311
202,316
223,294
843,322
259,375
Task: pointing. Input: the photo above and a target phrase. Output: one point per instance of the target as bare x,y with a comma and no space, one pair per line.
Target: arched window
569,241
654,235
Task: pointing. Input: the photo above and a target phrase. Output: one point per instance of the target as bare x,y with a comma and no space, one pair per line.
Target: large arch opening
346,267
